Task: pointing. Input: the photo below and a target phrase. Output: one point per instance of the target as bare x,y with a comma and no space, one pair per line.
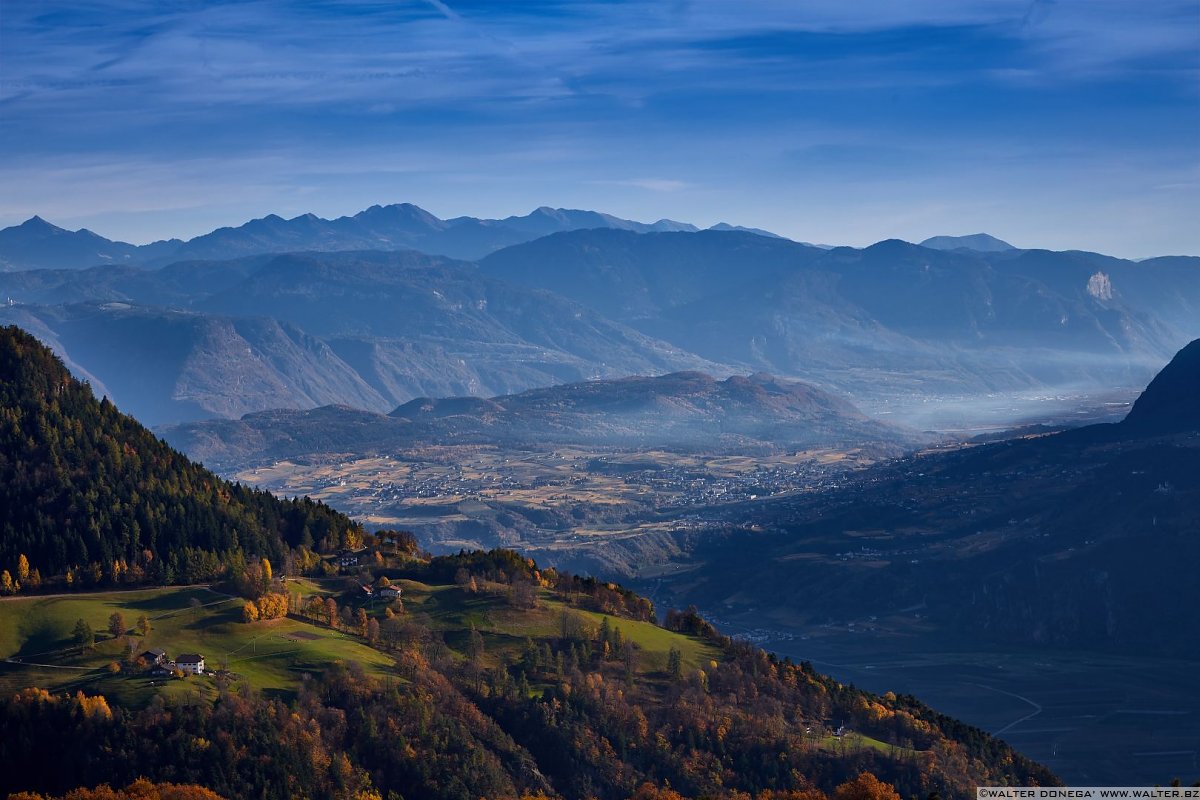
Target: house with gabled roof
191,663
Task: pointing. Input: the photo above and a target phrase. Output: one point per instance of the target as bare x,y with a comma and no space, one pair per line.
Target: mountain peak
725,226
36,224
1171,403
400,213
982,242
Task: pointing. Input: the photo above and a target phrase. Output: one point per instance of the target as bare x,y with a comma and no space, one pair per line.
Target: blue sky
1062,124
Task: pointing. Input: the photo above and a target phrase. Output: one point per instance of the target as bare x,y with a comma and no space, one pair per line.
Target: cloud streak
745,99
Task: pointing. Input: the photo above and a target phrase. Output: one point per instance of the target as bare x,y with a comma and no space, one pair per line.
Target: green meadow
39,649
453,611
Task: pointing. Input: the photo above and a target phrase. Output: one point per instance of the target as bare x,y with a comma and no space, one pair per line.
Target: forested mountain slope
87,491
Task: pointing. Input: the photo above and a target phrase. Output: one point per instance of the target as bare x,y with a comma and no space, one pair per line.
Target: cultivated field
546,500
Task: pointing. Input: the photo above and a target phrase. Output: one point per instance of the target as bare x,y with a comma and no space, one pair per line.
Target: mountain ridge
38,244
982,242
683,410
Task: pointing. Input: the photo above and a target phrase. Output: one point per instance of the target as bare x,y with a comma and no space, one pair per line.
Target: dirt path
1037,709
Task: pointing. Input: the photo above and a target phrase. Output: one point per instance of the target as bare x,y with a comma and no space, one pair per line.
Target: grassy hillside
38,647
453,612
488,678
269,655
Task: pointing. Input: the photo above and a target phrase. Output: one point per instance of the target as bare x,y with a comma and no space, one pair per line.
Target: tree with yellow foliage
141,789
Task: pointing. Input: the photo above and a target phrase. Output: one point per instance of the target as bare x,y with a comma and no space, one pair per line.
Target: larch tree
865,787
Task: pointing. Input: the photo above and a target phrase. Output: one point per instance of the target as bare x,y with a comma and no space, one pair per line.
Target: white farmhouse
191,663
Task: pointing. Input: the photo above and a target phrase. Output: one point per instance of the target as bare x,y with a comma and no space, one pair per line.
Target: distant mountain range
893,320
36,244
904,330
370,330
681,411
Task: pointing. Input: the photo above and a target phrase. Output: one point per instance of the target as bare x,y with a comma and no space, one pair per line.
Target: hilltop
892,325
982,242
1171,403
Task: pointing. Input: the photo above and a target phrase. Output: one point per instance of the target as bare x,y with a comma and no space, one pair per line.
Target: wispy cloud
649,184
749,100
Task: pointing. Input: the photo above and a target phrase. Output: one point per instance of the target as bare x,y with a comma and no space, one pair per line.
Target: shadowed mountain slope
1050,541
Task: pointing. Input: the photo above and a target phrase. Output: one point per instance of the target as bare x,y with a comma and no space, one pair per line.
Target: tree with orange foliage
791,794
648,791
141,789
865,787
272,606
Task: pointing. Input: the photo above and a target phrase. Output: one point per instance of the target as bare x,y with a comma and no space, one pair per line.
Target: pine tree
675,663
85,637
